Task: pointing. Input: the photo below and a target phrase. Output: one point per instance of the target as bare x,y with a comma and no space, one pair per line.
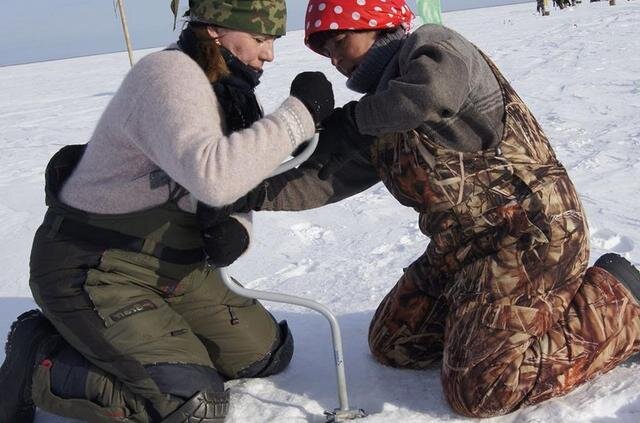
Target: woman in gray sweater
135,325
503,294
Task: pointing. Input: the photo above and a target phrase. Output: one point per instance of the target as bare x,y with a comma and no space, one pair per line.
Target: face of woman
347,49
251,49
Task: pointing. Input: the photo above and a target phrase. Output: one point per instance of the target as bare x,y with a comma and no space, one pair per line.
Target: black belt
113,239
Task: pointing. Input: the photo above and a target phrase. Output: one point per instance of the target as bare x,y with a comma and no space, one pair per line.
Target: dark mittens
225,242
316,92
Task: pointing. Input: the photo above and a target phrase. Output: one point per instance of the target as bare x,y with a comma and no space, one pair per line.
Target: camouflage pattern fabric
502,294
267,17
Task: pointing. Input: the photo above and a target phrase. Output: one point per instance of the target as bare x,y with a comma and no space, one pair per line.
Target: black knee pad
277,360
186,384
185,380
70,372
203,407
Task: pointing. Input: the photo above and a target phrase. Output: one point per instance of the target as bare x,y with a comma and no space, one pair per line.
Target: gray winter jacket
438,83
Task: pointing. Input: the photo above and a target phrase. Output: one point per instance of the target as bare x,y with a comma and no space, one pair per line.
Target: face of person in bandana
345,30
346,49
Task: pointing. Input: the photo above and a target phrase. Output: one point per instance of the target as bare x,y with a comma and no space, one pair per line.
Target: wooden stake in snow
127,39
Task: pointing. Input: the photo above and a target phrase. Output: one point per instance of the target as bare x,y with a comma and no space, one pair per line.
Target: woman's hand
316,92
225,242
210,216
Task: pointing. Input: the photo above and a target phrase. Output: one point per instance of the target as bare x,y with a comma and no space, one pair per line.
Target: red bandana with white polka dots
326,15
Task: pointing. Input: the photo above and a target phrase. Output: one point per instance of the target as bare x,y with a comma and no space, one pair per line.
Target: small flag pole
127,39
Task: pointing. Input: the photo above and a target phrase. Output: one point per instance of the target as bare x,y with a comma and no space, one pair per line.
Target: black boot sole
621,269
25,337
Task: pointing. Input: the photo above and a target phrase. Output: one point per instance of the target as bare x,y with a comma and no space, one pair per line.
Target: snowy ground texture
578,69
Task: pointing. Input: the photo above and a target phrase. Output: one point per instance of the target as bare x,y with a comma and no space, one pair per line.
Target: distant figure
542,7
562,3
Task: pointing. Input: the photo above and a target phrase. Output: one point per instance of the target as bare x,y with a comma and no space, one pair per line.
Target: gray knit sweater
165,116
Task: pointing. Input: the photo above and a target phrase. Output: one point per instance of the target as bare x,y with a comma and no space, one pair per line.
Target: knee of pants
478,393
392,343
380,343
277,359
70,373
177,382
185,380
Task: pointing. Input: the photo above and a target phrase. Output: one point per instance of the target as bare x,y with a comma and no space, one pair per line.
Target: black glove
225,242
210,216
300,149
252,201
316,92
340,140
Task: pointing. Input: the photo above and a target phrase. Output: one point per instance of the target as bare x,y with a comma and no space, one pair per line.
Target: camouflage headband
266,17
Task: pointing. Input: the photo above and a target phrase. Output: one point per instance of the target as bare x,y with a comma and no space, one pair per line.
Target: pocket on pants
115,298
124,285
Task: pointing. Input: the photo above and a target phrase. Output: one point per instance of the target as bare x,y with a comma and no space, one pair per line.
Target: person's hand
225,242
315,92
208,216
340,140
300,149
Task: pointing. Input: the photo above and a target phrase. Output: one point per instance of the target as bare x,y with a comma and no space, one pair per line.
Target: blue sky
54,29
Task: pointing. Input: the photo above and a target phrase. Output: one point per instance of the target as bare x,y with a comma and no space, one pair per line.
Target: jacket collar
366,76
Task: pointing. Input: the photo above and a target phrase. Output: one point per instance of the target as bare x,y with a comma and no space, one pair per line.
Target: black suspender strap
108,238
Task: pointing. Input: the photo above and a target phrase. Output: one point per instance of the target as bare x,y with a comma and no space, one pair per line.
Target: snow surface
578,69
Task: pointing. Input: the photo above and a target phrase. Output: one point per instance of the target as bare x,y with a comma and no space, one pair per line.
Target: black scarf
235,92
367,75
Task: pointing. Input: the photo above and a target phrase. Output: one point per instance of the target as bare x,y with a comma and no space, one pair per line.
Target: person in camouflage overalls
136,324
503,294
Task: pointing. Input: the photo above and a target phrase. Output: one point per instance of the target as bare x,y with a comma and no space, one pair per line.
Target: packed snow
579,71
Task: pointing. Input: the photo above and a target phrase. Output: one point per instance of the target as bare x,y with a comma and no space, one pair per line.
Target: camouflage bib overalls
502,294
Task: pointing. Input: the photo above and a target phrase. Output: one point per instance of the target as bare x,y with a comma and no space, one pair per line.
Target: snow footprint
385,254
606,239
308,233
397,247
296,270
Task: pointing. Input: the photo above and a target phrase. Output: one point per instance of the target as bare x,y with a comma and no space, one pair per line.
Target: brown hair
317,40
205,50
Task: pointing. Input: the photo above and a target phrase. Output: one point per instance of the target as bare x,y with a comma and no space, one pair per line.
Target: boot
621,269
203,407
30,331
